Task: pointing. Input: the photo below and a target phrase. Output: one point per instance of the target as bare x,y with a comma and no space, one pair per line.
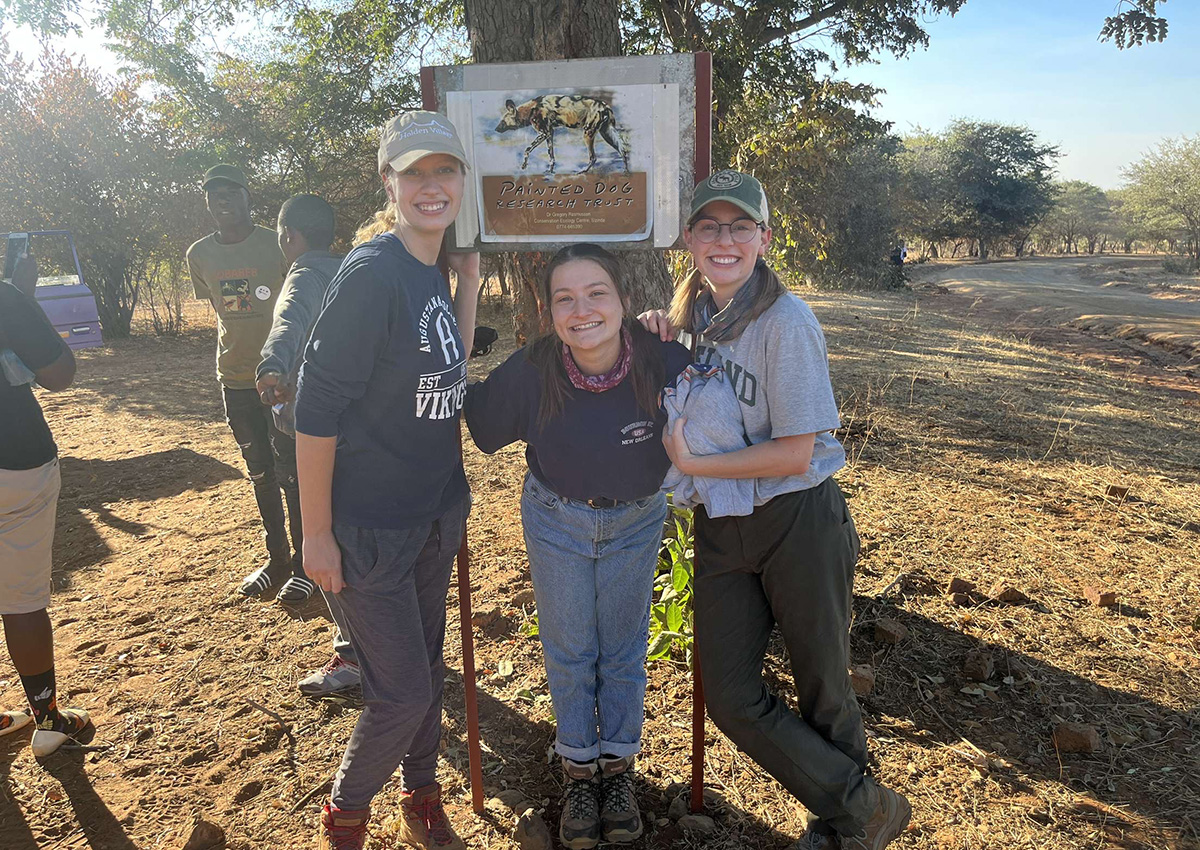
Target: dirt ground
982,444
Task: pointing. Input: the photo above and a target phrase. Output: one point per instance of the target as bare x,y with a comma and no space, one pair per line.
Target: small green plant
671,609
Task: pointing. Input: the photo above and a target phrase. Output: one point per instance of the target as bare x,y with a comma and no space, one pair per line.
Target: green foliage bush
1180,265
671,635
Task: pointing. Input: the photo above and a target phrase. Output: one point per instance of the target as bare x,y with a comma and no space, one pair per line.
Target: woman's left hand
465,266
677,447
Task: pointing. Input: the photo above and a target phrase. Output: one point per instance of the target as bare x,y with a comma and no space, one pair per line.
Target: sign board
584,150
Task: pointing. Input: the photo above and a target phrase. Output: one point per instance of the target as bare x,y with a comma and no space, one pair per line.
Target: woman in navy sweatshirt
383,494
584,399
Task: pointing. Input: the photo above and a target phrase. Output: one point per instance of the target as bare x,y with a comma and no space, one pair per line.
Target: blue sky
1033,62
1039,64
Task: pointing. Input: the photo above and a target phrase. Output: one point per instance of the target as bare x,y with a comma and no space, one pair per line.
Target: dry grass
974,454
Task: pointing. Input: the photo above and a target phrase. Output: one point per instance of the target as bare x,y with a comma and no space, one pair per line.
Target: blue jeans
593,576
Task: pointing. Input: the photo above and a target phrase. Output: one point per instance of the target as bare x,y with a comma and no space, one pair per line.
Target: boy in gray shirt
305,228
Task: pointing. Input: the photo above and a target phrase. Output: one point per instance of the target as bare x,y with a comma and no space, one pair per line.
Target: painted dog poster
564,165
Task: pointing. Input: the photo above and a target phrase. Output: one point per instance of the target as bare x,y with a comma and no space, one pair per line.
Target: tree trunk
535,30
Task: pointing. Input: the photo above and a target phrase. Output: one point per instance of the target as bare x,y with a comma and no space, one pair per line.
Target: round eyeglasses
708,230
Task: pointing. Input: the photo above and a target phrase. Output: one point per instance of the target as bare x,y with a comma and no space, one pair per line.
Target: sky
1031,62
1038,63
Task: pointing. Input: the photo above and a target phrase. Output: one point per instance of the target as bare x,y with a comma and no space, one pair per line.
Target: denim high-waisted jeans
593,576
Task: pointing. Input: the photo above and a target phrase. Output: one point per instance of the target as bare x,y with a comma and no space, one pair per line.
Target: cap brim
740,204
409,158
204,186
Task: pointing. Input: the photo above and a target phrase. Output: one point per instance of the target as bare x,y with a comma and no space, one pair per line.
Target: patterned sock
41,691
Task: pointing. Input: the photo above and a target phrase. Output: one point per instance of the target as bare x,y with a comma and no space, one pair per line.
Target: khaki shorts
28,504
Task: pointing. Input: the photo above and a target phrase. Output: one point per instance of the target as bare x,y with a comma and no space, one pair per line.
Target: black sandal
295,590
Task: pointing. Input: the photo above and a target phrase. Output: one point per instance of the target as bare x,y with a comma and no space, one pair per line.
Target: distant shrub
1180,265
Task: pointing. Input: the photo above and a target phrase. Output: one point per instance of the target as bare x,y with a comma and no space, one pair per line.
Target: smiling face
585,306
228,204
726,264
428,193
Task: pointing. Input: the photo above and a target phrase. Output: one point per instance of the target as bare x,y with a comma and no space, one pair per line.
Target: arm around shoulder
498,408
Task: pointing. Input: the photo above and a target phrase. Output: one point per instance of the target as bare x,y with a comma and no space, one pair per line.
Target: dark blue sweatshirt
602,445
385,372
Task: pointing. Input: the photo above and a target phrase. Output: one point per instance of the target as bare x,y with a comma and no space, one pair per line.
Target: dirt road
1124,297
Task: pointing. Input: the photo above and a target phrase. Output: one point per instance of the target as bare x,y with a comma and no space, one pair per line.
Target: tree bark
535,30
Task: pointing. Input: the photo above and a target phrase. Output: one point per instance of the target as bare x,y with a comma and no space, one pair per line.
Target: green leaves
979,180
671,612
1164,192
1136,26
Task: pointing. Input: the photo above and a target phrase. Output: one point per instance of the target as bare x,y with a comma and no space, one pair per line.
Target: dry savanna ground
1047,459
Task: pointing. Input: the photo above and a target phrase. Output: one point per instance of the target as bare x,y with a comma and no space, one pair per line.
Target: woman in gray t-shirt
791,561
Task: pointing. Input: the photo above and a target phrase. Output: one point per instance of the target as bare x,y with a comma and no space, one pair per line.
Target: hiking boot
424,823
890,818
11,721
264,578
813,840
579,826
338,675
620,820
74,725
342,829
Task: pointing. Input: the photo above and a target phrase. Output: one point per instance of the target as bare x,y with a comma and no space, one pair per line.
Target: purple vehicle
68,302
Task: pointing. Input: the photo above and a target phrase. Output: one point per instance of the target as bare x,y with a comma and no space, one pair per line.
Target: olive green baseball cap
411,136
225,171
742,190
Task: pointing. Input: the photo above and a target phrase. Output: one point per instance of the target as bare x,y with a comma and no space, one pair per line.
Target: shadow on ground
90,487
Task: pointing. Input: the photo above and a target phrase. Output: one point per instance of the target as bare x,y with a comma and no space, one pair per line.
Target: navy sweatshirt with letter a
602,445
385,372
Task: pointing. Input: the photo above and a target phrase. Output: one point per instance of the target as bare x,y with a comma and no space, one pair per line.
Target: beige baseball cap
411,136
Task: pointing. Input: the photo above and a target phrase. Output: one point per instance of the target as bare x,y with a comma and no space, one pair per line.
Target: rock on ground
205,836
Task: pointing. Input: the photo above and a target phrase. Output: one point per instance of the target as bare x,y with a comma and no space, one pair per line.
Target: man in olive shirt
239,269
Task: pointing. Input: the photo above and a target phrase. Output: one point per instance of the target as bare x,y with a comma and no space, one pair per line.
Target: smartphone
18,246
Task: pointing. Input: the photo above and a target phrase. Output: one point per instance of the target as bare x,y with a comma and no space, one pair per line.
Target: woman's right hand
323,561
656,322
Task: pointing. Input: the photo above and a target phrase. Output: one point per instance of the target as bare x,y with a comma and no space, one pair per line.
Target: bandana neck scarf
600,383
747,304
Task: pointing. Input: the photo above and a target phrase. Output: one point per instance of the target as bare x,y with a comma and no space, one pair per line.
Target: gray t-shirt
780,373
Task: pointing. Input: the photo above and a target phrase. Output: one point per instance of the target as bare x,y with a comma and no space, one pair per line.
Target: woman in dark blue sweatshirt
584,399
383,494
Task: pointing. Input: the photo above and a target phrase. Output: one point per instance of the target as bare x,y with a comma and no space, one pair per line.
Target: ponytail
383,221
684,300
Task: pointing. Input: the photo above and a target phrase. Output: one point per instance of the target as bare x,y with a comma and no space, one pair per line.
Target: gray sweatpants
791,564
394,607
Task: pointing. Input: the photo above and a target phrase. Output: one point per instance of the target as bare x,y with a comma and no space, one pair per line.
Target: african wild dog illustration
546,113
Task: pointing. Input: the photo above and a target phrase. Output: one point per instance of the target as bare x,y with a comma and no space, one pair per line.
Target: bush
1180,265
671,633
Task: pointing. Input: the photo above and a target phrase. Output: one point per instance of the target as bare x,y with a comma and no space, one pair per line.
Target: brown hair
646,371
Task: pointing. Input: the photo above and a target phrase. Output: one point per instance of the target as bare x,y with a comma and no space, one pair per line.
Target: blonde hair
381,222
683,303
684,300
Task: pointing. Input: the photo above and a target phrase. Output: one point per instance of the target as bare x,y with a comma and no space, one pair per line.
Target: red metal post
474,752
702,168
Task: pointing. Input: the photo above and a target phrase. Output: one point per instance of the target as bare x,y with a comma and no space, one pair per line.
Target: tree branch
771,34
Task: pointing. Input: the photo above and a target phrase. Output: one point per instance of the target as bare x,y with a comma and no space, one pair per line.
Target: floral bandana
600,383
